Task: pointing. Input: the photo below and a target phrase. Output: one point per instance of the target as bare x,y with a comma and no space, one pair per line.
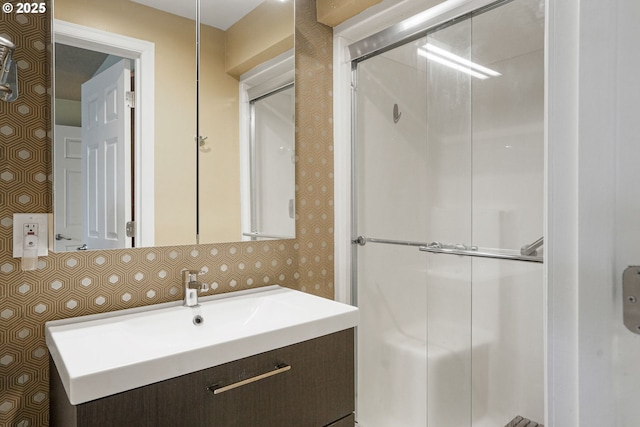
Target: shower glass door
448,151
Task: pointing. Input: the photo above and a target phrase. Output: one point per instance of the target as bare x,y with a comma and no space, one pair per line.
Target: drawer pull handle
216,389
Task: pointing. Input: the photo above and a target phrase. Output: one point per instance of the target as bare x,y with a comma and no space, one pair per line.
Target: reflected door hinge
131,229
130,99
292,209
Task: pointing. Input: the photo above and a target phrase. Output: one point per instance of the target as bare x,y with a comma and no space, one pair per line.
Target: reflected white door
106,142
67,178
273,165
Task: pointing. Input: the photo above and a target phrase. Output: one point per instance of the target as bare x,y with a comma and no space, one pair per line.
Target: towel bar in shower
475,252
457,249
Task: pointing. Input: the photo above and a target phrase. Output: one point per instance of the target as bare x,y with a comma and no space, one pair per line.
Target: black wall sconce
8,71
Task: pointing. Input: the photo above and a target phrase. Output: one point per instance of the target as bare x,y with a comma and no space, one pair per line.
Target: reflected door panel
67,177
106,141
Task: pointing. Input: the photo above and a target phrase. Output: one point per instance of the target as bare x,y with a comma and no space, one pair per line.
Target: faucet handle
204,287
190,279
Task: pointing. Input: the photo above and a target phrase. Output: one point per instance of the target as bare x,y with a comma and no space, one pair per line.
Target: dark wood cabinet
306,384
348,421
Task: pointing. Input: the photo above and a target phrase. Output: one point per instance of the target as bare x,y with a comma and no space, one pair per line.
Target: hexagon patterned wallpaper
73,284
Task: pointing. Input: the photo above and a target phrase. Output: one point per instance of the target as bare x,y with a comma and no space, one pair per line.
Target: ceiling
217,13
74,66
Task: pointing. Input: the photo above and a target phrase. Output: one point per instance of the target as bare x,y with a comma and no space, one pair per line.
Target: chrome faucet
191,287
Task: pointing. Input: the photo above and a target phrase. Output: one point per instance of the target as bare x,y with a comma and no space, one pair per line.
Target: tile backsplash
79,283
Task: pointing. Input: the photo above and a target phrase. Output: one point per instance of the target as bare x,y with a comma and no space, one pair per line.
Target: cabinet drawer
306,384
317,390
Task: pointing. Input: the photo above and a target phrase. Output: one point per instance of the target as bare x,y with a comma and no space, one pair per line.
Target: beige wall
334,12
79,283
220,156
68,113
262,34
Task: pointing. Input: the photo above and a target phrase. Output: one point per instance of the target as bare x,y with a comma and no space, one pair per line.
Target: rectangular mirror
125,166
246,172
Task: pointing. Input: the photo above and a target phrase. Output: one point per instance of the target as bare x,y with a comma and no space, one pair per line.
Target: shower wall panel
392,349
392,362
507,208
448,220
392,171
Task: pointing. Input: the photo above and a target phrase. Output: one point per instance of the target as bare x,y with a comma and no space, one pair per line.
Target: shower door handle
631,298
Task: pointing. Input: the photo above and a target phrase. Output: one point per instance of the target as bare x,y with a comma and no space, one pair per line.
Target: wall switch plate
30,231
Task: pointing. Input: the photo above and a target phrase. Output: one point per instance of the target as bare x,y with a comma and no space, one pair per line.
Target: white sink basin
100,355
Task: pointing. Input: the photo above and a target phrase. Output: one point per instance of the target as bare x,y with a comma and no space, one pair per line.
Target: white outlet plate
19,219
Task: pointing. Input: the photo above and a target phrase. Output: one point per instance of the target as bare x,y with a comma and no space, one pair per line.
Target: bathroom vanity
283,358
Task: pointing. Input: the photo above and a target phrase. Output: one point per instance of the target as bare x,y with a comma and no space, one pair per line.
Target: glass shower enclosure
448,217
